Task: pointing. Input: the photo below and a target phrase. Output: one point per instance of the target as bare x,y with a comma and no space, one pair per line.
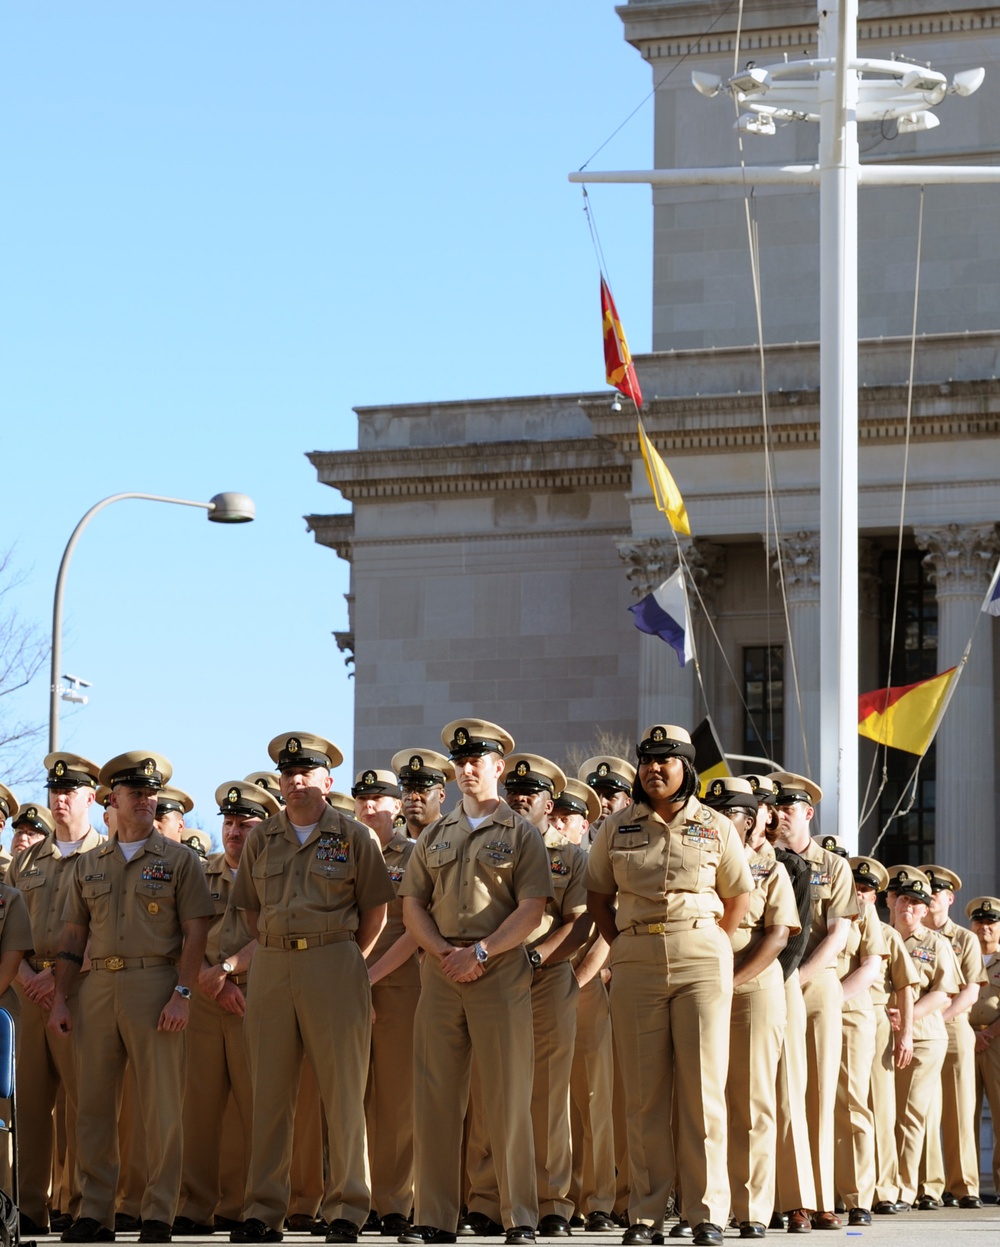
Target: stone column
666,689
868,675
960,559
800,558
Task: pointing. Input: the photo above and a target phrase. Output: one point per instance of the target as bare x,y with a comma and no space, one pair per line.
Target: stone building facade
495,545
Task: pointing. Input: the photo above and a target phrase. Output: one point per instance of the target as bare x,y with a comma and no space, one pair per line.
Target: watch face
481,953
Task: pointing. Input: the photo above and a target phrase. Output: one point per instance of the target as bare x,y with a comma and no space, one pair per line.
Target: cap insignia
31,812
522,768
368,777
293,744
829,842
658,735
233,795
461,737
903,876
261,783
718,787
603,769
60,769
864,868
148,767
416,763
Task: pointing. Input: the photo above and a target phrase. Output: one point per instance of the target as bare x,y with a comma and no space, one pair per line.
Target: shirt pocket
97,897
500,861
322,873
268,876
154,898
628,858
438,858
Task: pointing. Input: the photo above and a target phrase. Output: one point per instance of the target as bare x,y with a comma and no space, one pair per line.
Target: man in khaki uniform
984,913
32,823
612,779
834,908
395,976
214,1178
918,1102
423,774
143,903
314,889
951,1161
475,889
46,1061
171,806
8,808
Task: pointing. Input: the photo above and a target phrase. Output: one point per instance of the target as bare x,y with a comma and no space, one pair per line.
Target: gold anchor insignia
864,869
902,876
60,769
233,795
461,737
658,734
293,744
416,762
522,768
368,777
829,842
31,812
603,769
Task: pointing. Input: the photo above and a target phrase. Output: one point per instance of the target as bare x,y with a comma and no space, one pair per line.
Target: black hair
689,785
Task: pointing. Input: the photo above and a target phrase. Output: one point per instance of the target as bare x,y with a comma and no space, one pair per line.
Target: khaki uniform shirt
228,932
831,888
137,908
668,872
865,939
397,856
772,904
5,861
15,936
568,863
898,969
471,880
313,888
986,1010
43,877
969,957
937,971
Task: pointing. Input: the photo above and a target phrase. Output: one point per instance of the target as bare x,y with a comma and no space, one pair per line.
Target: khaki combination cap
792,787
868,873
467,738
578,798
422,768
765,789
270,781
197,840
371,783
832,844
137,768
942,879
69,770
607,771
8,802
909,881
174,800
341,801
983,909
729,793
665,740
242,798
37,817
103,797
530,772
292,750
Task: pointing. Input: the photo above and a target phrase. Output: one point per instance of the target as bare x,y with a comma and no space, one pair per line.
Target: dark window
910,838
764,695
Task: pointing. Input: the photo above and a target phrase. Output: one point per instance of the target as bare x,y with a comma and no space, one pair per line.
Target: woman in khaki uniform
678,874
758,1015
918,1104
984,913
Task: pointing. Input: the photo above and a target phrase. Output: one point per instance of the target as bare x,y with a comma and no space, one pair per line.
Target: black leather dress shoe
641,1235
342,1231
707,1234
681,1230
859,1216
600,1223
752,1229
125,1224
554,1226
926,1203
426,1234
30,1228
184,1227
302,1223
394,1224
255,1231
520,1236
884,1208
778,1222
484,1226
87,1230
155,1232
970,1201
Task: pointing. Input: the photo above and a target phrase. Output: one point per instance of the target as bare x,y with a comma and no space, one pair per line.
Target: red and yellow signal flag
906,717
617,358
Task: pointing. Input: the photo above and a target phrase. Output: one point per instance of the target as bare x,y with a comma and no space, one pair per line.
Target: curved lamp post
227,508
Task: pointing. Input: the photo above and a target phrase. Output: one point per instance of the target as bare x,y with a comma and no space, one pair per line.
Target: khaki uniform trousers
883,1102
756,1030
623,1176
492,1015
854,1149
823,1000
217,1069
45,1063
988,1085
131,1149
591,1088
918,1110
795,1184
670,1007
305,1175
389,1098
117,1019
950,1160
317,1003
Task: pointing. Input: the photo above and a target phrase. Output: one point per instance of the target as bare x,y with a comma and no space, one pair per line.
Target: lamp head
230,508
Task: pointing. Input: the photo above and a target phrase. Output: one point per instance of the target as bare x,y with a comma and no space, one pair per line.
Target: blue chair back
6,1055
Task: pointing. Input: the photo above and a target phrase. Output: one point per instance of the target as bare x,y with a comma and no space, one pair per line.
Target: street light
225,508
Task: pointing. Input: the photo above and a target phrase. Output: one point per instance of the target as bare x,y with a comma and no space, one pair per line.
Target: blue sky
227,224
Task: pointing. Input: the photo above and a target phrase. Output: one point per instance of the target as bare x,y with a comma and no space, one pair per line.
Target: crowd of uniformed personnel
562,1004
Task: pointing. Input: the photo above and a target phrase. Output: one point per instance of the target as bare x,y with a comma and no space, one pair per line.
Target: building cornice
335,531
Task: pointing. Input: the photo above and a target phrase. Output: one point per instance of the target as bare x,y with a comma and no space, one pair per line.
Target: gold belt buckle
114,963
298,943
656,928
47,965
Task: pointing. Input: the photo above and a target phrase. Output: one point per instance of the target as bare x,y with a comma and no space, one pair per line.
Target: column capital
800,559
650,560
959,558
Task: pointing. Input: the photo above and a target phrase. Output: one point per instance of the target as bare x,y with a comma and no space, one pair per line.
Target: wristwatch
183,992
481,953
228,967
535,957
